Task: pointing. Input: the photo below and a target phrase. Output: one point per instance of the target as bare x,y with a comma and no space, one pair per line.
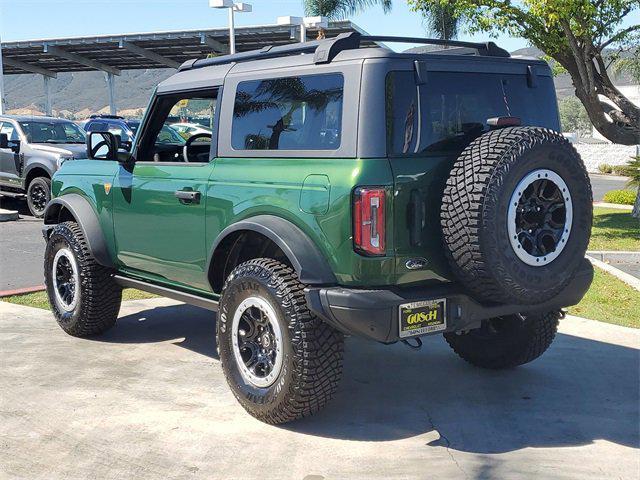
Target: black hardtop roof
352,46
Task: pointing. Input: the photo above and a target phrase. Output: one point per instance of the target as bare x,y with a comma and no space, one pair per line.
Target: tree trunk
636,206
619,121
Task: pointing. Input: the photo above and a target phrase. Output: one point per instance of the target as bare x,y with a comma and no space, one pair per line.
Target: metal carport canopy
114,53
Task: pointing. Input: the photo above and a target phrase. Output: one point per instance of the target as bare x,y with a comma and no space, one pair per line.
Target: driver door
9,174
159,201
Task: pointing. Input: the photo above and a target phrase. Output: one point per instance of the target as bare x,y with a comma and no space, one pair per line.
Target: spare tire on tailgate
516,215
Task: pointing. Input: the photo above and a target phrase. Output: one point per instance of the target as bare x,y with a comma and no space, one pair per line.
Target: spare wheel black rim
540,217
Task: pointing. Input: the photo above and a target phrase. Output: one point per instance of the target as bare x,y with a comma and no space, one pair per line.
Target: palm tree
442,22
633,171
339,9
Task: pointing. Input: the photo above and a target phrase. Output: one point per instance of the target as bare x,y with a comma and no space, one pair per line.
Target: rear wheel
506,342
84,298
38,195
281,362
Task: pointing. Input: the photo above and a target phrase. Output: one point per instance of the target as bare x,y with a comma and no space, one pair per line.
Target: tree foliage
573,116
576,34
338,9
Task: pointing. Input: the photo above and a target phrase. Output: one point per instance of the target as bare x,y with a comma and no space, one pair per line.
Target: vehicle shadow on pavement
191,327
579,392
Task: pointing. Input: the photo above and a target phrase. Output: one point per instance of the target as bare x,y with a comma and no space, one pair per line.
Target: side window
11,132
290,113
166,141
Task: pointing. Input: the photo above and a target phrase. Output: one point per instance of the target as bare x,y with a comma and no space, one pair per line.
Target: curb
614,256
630,280
609,176
613,205
8,215
21,291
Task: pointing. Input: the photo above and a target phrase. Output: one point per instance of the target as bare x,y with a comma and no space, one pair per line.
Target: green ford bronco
344,189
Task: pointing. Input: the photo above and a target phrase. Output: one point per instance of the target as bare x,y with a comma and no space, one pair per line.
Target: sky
37,19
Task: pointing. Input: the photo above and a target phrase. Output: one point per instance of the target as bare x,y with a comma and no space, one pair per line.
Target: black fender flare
34,164
307,260
86,217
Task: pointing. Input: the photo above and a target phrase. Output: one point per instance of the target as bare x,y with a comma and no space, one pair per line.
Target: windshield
40,131
134,125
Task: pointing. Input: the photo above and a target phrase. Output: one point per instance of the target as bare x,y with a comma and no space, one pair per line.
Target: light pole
304,23
1,82
232,7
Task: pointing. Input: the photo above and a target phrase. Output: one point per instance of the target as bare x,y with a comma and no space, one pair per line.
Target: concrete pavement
148,400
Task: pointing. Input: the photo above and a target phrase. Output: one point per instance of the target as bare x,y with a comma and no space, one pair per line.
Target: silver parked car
31,150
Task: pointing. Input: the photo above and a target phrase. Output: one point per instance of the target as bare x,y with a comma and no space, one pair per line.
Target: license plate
418,318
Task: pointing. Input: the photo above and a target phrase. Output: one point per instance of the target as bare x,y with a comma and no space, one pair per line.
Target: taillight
369,220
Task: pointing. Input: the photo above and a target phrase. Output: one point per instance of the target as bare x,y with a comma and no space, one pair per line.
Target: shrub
621,197
605,168
633,171
621,170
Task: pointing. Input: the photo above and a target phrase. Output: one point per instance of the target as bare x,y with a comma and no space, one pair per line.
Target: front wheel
281,362
506,342
84,297
38,195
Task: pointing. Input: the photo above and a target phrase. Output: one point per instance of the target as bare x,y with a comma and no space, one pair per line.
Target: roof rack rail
325,50
489,49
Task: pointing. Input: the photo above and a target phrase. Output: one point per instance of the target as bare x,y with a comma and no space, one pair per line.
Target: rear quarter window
451,109
289,113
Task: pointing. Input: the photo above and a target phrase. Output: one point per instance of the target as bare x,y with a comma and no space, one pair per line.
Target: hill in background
83,91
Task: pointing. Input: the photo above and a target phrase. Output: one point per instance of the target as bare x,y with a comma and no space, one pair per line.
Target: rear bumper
374,314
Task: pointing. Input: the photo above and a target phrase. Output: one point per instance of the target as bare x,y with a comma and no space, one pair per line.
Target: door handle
187,196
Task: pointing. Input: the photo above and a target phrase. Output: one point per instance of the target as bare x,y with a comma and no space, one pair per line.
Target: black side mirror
102,146
14,145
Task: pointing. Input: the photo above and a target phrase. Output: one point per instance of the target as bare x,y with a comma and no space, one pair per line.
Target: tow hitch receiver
413,346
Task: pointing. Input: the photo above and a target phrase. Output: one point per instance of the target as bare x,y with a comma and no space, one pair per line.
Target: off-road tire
99,296
35,184
312,350
518,340
474,215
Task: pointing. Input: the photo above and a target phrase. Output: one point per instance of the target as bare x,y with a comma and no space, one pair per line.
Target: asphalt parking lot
21,248
148,401
601,184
